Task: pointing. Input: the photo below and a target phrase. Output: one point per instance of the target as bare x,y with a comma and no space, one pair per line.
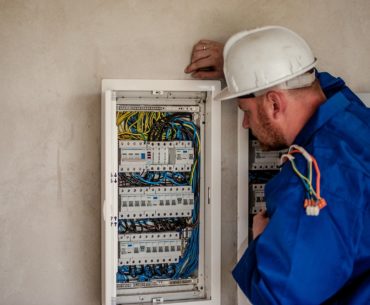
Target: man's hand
206,60
260,221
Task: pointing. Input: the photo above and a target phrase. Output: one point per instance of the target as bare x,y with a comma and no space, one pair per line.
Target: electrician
312,244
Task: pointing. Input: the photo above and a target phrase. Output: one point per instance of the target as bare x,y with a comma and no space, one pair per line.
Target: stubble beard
270,137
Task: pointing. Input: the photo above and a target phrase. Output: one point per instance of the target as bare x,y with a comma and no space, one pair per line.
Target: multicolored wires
164,126
313,202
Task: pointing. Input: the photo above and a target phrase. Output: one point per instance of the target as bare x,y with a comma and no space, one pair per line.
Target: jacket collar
324,113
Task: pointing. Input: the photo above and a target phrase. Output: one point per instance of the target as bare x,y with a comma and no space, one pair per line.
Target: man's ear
275,104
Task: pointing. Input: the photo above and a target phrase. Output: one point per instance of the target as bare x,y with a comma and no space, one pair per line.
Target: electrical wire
313,202
162,126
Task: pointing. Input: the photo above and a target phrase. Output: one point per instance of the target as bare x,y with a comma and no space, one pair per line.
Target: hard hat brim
225,94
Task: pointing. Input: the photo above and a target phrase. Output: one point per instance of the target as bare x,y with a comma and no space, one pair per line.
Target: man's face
262,126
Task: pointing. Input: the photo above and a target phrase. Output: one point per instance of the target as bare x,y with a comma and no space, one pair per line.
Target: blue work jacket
323,259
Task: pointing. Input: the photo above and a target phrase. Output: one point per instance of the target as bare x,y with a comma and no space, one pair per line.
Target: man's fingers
260,221
202,47
205,51
203,63
198,55
206,75
206,60
262,214
203,42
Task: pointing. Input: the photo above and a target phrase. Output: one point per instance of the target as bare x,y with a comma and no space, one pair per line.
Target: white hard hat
263,58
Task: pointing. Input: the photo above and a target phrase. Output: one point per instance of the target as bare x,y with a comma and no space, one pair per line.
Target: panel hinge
113,221
113,177
209,195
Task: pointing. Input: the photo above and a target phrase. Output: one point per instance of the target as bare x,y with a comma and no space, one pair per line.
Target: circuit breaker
161,192
263,165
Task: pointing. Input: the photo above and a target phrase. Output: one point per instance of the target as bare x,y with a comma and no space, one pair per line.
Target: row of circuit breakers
138,156
158,197
151,202
263,165
154,201
173,201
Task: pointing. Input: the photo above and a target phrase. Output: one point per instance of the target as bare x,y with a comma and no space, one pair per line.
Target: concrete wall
53,55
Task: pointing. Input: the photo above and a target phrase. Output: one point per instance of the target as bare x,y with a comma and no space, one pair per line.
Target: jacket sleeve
302,259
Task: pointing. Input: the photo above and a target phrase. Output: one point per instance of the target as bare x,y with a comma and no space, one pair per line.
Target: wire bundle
162,126
153,178
134,125
152,225
313,202
145,273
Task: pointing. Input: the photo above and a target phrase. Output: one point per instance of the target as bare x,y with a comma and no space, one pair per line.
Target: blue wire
188,263
147,181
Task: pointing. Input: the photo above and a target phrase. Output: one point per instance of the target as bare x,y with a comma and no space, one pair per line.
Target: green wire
304,179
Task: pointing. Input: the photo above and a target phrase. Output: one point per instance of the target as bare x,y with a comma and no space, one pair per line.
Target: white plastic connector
312,210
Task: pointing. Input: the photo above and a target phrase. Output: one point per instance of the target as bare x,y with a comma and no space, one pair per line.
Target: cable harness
313,202
162,126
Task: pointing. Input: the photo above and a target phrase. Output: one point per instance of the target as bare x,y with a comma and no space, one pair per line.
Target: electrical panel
263,165
263,160
257,196
161,192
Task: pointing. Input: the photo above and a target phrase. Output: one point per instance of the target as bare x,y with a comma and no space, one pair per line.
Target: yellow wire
303,177
143,124
192,171
198,140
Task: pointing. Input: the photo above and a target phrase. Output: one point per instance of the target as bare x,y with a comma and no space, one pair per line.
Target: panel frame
212,182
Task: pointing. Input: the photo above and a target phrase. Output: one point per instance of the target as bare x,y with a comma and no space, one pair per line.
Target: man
295,257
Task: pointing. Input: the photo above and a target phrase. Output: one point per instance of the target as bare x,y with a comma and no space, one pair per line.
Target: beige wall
53,55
